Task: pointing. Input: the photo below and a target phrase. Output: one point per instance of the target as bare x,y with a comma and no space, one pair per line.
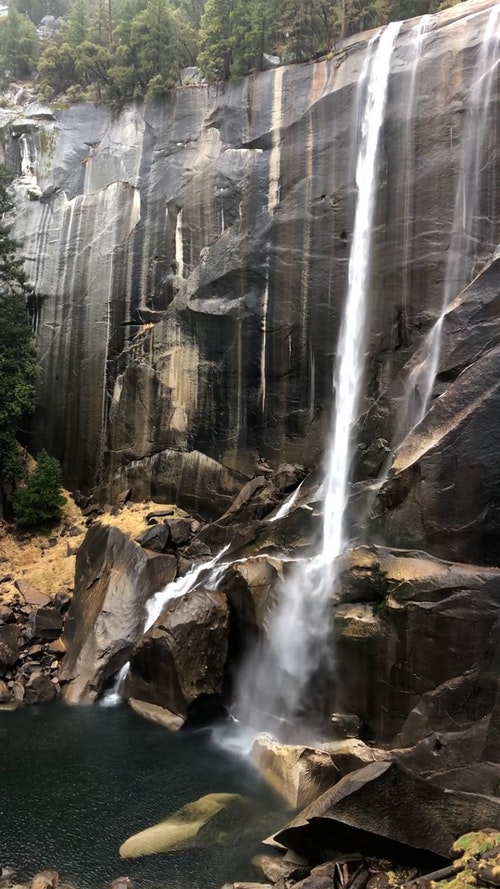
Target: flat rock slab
157,714
385,801
31,595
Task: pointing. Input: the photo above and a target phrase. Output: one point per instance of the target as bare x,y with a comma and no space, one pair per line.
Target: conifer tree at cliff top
17,349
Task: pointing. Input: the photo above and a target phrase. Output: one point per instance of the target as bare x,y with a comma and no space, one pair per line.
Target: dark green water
76,782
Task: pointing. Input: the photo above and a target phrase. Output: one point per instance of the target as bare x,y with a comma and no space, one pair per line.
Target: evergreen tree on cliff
19,45
17,349
216,40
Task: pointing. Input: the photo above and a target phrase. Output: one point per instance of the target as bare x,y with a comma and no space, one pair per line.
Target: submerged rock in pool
179,830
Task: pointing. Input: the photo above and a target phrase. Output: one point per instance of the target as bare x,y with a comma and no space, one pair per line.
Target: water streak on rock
154,607
465,242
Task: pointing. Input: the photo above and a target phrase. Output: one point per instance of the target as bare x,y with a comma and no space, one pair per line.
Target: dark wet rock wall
190,261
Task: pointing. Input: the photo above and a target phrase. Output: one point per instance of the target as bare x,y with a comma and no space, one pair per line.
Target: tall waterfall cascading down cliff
191,259
271,689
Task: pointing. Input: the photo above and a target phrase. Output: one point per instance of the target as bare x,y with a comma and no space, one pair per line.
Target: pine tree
17,350
152,47
216,40
39,503
19,45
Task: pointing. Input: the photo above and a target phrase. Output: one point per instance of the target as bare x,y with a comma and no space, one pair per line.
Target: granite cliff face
190,261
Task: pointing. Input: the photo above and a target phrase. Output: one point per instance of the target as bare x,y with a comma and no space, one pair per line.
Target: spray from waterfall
462,253
278,677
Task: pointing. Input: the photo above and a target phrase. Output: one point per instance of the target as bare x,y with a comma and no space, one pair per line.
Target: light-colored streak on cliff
273,199
179,370
306,355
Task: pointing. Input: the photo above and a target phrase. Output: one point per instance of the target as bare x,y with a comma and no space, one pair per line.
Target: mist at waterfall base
84,779
287,685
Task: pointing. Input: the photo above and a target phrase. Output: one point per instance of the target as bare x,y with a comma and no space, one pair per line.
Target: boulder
298,774
180,530
9,646
180,663
39,689
45,623
252,588
381,802
274,868
62,600
182,830
31,595
288,476
420,623
157,714
114,579
4,692
154,538
238,525
18,692
7,614
351,754
47,879
57,647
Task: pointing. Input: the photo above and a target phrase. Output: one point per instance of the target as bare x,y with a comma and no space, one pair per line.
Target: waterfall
463,250
27,183
179,245
155,606
276,680
287,505
26,162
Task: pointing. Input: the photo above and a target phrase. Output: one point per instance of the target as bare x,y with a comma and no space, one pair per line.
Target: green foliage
216,40
37,9
17,350
56,69
151,45
120,50
115,50
476,843
39,503
19,45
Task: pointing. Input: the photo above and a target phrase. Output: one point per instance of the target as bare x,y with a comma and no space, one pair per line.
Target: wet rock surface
415,628
114,579
180,663
443,490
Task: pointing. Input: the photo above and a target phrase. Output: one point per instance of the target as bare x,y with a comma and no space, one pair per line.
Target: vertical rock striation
190,261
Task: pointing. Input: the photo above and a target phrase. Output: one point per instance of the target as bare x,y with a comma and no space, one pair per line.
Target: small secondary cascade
27,182
154,608
27,163
274,682
465,239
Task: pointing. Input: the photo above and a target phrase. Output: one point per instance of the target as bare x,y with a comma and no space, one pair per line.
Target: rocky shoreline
436,778
474,860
